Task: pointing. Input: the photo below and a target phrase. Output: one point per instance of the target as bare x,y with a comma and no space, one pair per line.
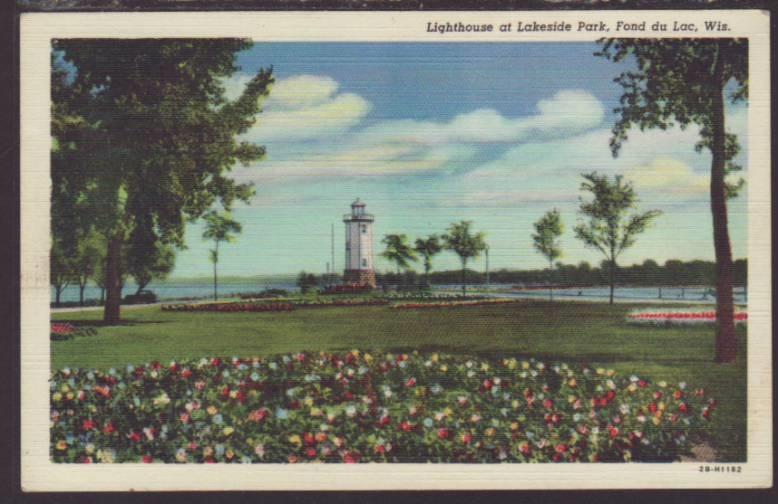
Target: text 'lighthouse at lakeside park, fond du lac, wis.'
621,27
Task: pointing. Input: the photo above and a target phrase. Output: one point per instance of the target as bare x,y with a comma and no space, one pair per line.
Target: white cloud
301,108
567,112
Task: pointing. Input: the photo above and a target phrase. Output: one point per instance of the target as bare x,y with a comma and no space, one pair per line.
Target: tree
147,265
548,229
306,281
145,138
60,270
685,82
398,251
91,250
460,240
427,248
219,228
610,229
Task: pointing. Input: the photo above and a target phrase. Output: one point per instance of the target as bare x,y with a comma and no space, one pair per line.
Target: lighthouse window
364,228
364,262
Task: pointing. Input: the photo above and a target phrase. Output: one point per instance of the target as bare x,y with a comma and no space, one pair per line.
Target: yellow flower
662,383
207,452
515,404
571,399
229,454
315,412
484,366
512,364
355,353
610,372
524,365
62,445
435,358
70,396
64,387
448,411
443,368
572,382
295,440
228,430
233,394
632,387
308,401
600,371
212,410
491,431
514,426
657,420
661,406
57,397
368,358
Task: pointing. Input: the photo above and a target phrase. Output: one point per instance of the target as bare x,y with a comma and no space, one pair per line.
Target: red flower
614,432
652,407
380,449
443,433
610,395
147,459
88,425
135,437
309,439
467,438
384,421
683,408
548,403
310,452
406,427
677,394
561,448
525,449
186,373
216,362
351,458
411,382
109,428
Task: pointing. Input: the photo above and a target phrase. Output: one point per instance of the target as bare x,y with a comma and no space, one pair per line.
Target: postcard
396,250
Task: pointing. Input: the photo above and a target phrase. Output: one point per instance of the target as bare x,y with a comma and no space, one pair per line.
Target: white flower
633,378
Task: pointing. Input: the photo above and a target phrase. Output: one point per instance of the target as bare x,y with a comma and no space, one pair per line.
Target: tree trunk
113,281
612,278
726,337
464,280
550,280
81,287
215,277
57,295
102,295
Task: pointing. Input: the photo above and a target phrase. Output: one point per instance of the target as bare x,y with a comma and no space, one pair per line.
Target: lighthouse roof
358,203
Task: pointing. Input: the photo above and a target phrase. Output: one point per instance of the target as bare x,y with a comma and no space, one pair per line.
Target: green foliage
144,138
427,248
675,83
155,263
548,229
464,243
398,250
611,228
219,228
306,281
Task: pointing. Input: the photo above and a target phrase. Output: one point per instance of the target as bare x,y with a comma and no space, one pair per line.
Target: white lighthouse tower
359,247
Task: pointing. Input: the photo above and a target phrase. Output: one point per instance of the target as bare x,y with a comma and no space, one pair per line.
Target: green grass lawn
562,332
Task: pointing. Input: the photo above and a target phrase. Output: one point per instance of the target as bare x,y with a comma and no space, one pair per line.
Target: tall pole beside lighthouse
332,252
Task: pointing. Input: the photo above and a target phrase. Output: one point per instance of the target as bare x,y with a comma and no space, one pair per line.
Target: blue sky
429,134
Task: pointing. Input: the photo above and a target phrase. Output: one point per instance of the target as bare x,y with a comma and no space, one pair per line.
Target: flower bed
452,304
679,316
61,331
362,407
230,307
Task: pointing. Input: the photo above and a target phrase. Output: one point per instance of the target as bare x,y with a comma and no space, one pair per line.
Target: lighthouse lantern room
359,247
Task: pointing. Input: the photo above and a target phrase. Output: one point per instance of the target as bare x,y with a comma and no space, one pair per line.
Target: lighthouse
359,247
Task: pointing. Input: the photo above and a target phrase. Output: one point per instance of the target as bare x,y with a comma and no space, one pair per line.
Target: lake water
171,291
